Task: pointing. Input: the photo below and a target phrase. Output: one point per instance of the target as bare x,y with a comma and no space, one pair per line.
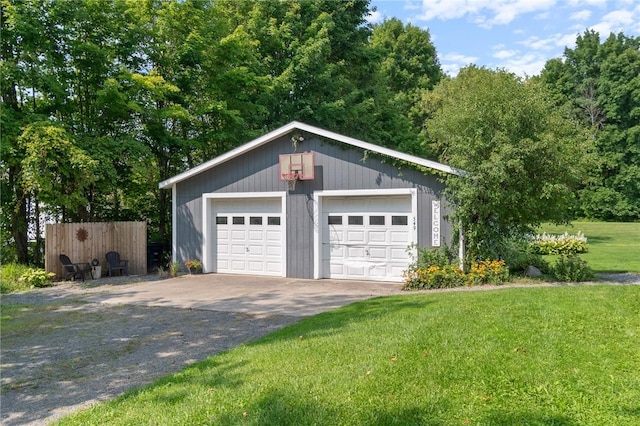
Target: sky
518,35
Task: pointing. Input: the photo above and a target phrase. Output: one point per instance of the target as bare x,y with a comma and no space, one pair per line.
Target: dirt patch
61,353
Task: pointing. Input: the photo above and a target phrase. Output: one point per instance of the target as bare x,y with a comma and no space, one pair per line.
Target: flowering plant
193,264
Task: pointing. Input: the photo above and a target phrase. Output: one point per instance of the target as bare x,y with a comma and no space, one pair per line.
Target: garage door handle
246,249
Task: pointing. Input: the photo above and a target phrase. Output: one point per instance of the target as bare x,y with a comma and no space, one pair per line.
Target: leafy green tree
599,82
522,158
408,67
54,169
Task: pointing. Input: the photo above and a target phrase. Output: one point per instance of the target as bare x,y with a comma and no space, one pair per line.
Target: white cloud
485,13
552,42
452,62
578,3
582,15
374,17
504,54
527,65
616,21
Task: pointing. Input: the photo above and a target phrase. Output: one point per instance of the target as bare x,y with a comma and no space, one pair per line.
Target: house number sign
435,223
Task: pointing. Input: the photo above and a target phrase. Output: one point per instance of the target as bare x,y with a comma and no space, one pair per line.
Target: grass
537,356
613,246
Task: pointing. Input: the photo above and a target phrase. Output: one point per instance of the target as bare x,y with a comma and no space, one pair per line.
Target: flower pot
97,272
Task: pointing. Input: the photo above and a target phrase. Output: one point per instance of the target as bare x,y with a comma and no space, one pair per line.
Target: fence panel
83,242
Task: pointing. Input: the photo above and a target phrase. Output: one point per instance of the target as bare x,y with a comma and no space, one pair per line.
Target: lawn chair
115,264
74,270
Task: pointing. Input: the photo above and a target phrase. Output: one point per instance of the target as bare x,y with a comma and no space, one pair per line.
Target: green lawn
535,356
613,246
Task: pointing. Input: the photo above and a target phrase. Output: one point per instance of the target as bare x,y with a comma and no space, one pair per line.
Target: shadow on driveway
67,347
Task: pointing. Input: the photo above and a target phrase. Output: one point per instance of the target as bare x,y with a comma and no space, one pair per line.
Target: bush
518,255
572,268
37,277
488,272
434,277
434,268
15,277
564,244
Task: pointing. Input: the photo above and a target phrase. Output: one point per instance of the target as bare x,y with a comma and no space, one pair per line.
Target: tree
600,83
523,159
408,67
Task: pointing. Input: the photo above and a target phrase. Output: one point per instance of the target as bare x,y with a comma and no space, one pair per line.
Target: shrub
518,255
488,272
434,268
193,264
572,268
434,277
37,277
15,277
564,244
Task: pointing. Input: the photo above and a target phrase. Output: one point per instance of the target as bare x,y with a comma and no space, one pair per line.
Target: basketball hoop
291,179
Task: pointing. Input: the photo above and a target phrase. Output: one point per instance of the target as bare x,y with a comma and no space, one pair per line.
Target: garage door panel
357,252
274,250
238,249
336,250
238,234
399,254
355,237
274,267
399,236
377,236
256,235
378,253
255,250
356,271
274,235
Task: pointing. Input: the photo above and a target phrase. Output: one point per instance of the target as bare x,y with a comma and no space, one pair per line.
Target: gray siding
337,167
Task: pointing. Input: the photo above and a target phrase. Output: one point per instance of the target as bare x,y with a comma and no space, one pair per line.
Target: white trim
275,134
318,197
174,224
207,263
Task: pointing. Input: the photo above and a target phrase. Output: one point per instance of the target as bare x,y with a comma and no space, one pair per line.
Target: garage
247,236
366,237
305,202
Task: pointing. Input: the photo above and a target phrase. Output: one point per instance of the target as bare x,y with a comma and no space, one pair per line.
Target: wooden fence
83,242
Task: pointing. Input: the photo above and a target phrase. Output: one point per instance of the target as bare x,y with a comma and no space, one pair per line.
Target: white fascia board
379,149
229,155
281,131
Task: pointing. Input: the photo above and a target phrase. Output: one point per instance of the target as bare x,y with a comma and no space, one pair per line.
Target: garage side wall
337,167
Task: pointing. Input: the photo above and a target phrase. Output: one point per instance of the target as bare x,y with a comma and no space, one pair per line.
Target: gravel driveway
61,353
70,346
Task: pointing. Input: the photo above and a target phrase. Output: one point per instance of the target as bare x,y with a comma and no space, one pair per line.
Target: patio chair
115,264
74,270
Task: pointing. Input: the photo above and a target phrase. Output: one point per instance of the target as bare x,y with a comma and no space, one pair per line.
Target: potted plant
194,266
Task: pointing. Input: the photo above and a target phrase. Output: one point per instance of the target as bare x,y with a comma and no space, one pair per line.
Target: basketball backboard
296,166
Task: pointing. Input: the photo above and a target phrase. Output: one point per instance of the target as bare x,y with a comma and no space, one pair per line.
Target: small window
376,220
335,220
356,220
238,220
273,220
221,220
399,220
255,220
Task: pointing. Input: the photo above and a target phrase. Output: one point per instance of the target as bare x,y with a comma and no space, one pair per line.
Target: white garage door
366,237
249,236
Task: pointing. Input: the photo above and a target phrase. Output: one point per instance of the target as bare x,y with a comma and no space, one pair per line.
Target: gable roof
296,125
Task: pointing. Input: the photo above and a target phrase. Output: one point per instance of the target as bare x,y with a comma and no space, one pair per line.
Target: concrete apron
247,294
